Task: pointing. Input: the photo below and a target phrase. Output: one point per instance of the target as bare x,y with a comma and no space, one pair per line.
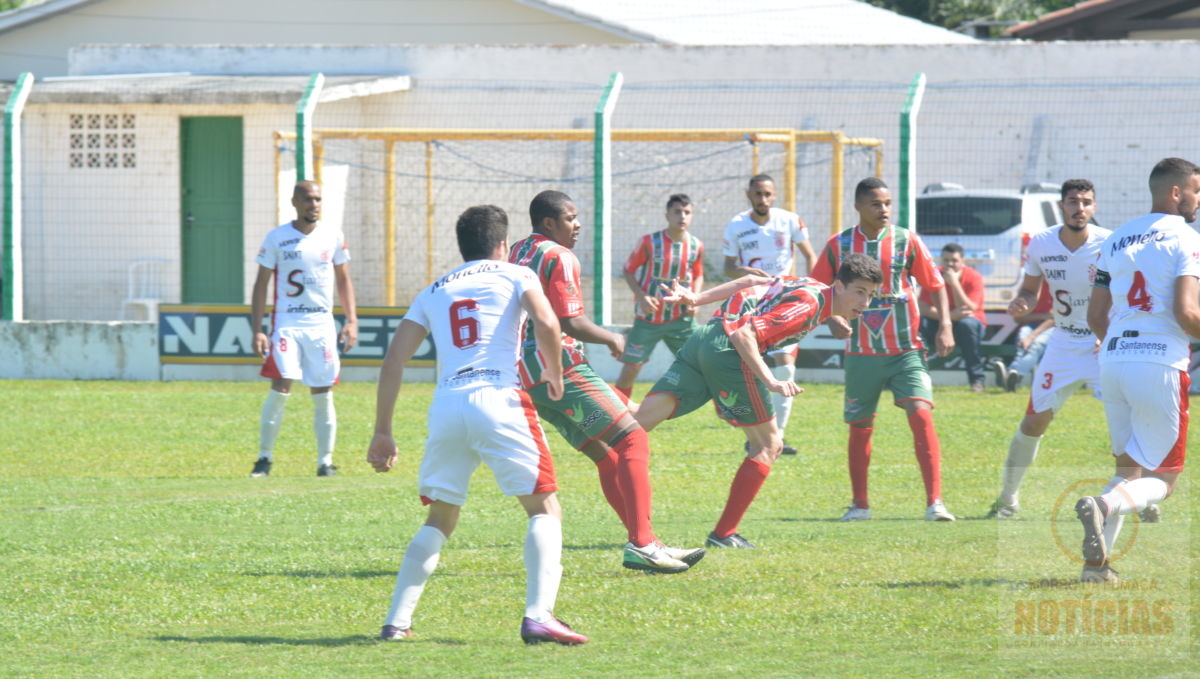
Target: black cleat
326,470
734,540
262,467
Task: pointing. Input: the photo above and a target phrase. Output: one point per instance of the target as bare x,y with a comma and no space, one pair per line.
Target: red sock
746,483
610,484
928,452
624,393
633,471
859,461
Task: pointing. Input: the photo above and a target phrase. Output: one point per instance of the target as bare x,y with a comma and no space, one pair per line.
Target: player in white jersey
760,241
307,260
1145,305
479,414
1065,257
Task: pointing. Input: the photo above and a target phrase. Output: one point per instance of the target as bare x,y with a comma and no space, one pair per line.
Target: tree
954,13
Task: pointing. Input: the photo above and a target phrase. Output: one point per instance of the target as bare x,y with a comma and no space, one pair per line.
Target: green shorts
906,374
587,410
709,368
646,335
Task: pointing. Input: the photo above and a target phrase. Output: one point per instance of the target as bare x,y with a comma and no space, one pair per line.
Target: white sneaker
937,512
856,514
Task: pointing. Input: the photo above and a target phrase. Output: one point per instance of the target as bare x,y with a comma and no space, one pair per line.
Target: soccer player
964,293
590,416
671,254
1064,255
478,414
1145,304
885,347
724,362
760,241
308,259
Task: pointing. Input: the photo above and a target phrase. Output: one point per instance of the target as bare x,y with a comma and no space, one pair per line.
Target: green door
211,190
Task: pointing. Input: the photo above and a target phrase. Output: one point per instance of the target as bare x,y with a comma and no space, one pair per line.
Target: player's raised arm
405,343
678,293
548,333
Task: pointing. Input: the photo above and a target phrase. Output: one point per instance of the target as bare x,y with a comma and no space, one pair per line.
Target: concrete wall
71,350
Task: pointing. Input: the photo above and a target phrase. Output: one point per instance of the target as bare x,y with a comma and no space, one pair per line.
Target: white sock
1021,452
325,426
1112,525
543,566
420,559
1133,496
783,406
270,421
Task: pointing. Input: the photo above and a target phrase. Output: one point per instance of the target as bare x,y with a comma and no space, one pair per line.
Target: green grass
134,545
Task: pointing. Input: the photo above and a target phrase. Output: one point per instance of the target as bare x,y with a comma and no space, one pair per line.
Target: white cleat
937,512
856,514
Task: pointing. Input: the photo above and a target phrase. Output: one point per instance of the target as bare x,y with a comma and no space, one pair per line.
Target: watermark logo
1053,603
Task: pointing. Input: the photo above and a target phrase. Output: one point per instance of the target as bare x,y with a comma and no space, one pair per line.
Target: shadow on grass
324,574
328,642
946,584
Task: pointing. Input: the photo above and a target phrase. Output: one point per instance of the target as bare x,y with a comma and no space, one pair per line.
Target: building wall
42,47
84,226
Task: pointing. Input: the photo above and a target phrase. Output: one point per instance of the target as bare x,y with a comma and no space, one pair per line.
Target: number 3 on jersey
464,327
1138,298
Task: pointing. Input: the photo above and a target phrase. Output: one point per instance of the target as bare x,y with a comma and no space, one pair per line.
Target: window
102,140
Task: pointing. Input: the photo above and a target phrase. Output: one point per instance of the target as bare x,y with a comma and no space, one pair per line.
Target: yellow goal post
389,138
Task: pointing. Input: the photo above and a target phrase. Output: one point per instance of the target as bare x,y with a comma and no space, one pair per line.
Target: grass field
134,545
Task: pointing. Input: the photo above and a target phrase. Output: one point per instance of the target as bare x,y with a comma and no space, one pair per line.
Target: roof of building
753,22
1107,19
166,88
687,22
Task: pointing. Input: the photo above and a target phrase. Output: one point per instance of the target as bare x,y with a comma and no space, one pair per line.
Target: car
993,226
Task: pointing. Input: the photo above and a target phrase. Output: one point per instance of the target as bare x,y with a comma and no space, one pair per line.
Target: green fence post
14,297
907,216
602,188
304,111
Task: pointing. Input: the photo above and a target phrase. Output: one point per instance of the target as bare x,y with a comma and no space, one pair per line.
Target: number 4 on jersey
1138,298
464,328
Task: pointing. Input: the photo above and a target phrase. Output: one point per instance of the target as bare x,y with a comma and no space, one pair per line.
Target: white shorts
492,424
306,353
1147,409
1063,368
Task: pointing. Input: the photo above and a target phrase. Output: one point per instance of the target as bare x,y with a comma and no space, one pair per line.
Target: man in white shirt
307,259
479,414
1065,257
760,241
1145,310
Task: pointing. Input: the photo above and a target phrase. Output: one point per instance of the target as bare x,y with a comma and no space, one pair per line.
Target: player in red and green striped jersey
724,361
672,254
590,415
884,348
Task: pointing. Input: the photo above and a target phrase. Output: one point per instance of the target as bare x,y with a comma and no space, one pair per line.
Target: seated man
965,286
723,361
